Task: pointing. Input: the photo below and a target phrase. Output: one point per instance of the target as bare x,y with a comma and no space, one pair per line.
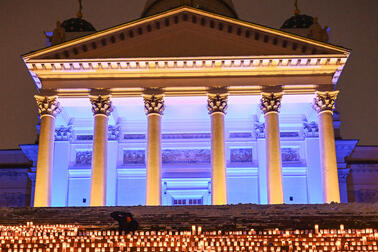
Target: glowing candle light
199,230
316,228
193,229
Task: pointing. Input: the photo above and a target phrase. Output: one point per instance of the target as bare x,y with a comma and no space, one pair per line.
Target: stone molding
217,103
260,130
310,129
63,133
114,132
153,103
325,101
48,105
32,174
271,102
83,158
101,104
290,154
343,174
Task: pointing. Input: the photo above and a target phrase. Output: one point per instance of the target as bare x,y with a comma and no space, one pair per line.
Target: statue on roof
318,32
79,13
58,34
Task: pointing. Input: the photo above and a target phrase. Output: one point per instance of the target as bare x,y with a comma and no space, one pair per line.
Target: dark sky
353,25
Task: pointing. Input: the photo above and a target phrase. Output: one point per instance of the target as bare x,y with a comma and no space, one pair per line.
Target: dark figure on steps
125,221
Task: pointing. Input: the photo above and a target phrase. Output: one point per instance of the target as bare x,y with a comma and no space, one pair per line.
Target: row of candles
71,239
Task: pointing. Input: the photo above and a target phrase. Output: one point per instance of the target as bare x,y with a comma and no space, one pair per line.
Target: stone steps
230,217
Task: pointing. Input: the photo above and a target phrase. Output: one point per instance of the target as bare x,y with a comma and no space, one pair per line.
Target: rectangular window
183,202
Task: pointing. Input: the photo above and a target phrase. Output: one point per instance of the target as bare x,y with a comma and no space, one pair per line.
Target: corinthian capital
48,105
101,104
217,103
325,101
154,103
271,102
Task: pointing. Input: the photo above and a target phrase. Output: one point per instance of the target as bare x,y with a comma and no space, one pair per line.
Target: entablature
182,75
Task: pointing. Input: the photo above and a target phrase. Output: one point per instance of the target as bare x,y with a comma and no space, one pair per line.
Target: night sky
353,25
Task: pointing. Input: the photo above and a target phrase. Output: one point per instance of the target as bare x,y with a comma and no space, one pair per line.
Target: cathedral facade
188,106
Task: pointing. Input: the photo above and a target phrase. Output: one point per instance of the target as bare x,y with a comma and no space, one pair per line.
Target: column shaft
42,196
328,160
99,161
217,106
153,179
324,104
218,160
273,158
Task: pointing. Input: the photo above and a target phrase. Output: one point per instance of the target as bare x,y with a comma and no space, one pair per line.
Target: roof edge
106,31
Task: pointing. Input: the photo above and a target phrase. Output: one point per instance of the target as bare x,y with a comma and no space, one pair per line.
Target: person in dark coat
126,222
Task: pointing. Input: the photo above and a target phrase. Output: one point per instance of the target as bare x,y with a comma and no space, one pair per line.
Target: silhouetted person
126,222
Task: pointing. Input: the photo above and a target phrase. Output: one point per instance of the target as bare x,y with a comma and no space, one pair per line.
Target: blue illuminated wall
186,172
186,153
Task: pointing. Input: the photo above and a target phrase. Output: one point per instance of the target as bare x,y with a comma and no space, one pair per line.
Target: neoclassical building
188,105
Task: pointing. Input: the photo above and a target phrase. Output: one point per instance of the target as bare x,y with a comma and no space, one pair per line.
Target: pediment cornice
80,48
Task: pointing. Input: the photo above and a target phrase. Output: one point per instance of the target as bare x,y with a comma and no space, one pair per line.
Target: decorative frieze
260,130
101,104
217,103
114,132
63,133
83,158
240,135
310,129
325,101
154,104
134,157
271,102
193,64
241,155
289,154
84,137
48,105
186,136
189,156
134,136
289,134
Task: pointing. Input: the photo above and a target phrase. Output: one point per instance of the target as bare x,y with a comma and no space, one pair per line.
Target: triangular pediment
185,32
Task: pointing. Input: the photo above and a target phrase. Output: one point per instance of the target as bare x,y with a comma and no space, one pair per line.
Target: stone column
270,105
217,105
324,104
48,107
101,108
154,107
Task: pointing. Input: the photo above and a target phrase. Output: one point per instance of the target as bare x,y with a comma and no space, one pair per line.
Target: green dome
77,25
